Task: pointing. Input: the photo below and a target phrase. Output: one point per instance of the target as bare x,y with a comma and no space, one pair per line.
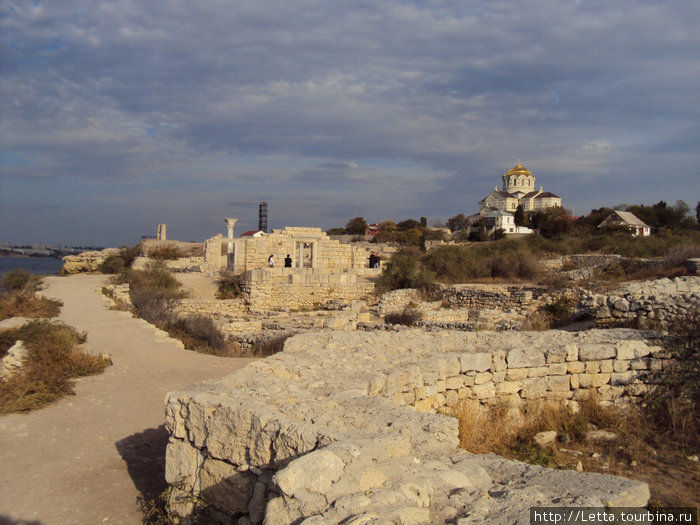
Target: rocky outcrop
645,303
350,427
14,360
86,261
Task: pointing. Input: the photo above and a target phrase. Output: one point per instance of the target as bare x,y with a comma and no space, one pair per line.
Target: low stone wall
181,265
343,427
650,302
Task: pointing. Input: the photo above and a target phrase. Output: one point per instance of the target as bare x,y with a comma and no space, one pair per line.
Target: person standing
271,261
287,261
372,260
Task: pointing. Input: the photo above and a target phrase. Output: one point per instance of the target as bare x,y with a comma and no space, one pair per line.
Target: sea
35,265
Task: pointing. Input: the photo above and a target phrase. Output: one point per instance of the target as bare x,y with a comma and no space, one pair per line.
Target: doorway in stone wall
305,253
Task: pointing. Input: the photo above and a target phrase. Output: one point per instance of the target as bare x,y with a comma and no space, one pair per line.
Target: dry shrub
19,298
230,285
165,252
408,317
24,303
54,358
484,429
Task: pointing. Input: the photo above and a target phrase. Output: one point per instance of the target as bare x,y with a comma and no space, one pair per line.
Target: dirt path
86,458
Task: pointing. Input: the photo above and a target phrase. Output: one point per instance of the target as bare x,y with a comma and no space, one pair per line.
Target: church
518,189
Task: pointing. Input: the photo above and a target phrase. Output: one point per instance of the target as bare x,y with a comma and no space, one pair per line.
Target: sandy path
86,458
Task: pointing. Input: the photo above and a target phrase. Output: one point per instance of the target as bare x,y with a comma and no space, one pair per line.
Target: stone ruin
353,428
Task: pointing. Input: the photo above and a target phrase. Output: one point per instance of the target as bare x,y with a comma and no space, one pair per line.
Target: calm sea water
35,265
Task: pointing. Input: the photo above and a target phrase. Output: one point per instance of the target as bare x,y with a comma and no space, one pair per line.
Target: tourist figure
372,260
287,261
271,261
376,261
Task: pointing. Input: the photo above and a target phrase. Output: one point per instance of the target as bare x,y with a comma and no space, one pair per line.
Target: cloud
410,107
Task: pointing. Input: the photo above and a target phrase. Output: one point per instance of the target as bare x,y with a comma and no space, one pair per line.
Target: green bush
112,264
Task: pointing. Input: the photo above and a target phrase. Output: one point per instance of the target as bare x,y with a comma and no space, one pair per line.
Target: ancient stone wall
305,288
350,427
646,303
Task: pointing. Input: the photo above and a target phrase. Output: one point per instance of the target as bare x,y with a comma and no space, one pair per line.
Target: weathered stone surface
88,261
591,352
525,358
312,433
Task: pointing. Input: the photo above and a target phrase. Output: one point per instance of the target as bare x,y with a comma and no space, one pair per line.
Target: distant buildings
627,220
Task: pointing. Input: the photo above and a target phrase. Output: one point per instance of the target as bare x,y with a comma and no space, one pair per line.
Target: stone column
230,223
314,254
161,232
300,262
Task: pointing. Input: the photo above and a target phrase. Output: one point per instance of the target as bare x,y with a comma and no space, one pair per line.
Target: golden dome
518,170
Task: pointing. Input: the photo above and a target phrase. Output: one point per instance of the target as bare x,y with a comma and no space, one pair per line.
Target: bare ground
87,458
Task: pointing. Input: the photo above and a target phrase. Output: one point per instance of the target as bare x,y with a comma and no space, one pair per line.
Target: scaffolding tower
262,217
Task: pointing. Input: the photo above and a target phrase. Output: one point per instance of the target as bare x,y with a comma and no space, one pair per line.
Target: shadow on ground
4,520
144,454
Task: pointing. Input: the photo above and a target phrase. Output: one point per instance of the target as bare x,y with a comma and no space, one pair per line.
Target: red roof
250,233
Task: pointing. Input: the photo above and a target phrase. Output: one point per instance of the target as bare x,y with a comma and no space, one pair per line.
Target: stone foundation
657,302
344,427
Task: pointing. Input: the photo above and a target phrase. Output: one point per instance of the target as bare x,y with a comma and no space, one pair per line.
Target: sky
118,115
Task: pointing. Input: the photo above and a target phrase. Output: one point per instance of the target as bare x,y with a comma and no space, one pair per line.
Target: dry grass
54,359
19,298
24,303
407,317
642,449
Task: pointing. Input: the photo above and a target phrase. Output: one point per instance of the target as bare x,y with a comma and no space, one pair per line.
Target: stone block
571,352
620,366
639,364
558,383
575,367
537,371
421,393
508,387
482,377
423,405
455,382
598,380
557,369
556,354
632,349
479,362
466,393
574,380
533,388
485,391
525,358
451,398
515,374
592,367
623,378
591,352
606,366
441,385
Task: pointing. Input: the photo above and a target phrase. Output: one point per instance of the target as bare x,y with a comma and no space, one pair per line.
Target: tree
552,222
458,222
423,222
408,224
519,216
356,226
387,226
697,212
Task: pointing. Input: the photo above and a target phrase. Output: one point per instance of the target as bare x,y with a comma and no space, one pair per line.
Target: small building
372,229
627,220
253,233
